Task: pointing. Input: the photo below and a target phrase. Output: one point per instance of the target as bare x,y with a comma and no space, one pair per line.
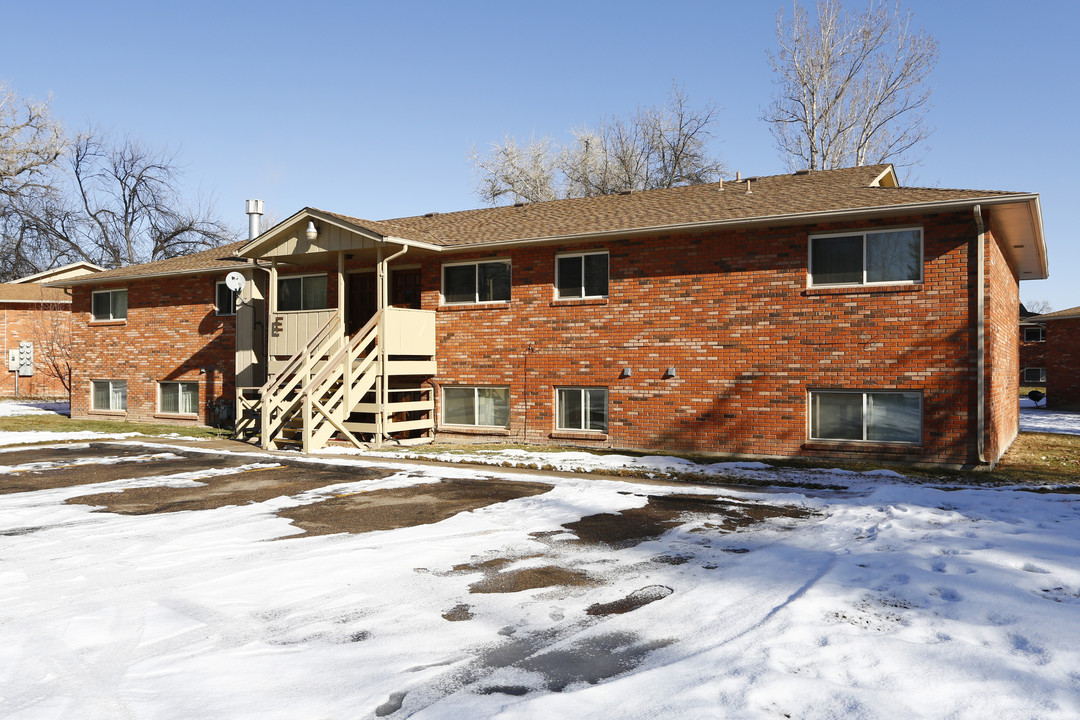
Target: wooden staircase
365,389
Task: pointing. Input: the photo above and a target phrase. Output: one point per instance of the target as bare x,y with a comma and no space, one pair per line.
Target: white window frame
476,404
865,426
1040,328
277,292
864,233
95,318
476,283
585,408
161,386
1042,375
217,293
582,256
93,404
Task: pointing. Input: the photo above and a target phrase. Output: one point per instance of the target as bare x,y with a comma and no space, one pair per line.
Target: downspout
384,302
980,338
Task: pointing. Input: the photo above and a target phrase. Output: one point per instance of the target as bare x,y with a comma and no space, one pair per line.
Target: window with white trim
1035,375
893,417
181,398
224,299
477,406
476,282
869,258
108,395
581,408
1034,333
583,275
301,292
109,304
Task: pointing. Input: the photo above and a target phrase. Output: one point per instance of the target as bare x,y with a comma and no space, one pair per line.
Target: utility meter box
26,358
13,360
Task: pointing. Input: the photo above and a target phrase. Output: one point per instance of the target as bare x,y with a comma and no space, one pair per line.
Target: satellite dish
235,281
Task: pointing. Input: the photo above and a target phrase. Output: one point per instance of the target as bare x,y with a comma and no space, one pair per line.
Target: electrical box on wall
13,360
26,358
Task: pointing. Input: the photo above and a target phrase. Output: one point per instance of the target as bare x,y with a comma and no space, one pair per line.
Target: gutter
980,337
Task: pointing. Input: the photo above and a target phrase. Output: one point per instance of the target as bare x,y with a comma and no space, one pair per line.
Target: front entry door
405,288
362,300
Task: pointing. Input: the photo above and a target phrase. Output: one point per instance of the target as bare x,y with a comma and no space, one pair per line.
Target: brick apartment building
1062,358
1032,350
817,314
30,312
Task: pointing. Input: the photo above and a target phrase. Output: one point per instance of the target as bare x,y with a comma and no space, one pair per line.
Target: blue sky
371,109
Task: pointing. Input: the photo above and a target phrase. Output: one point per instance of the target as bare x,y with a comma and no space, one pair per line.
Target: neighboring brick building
1062,358
1032,337
824,314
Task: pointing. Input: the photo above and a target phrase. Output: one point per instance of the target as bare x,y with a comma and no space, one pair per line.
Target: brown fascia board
95,278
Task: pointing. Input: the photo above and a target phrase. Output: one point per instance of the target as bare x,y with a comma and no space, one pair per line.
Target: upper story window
581,276
870,258
476,282
224,299
301,292
1034,333
109,304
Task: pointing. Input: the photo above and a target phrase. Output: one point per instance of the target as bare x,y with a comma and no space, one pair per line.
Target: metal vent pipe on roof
254,210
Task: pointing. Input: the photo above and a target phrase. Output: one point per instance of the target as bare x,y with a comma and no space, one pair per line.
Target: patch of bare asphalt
70,453
663,512
511,581
639,598
246,486
144,464
405,507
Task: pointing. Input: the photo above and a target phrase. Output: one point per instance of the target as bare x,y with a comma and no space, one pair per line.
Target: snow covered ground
1049,421
890,600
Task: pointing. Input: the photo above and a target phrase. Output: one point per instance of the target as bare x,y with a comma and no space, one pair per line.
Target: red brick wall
1002,306
731,312
25,321
1063,364
171,334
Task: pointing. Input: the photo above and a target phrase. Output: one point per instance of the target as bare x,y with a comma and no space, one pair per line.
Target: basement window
109,304
478,406
892,417
1035,375
301,292
579,408
476,282
581,276
180,398
872,258
110,395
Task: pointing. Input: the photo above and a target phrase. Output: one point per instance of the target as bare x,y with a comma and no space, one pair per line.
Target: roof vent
430,214
738,176
804,171
626,192
755,178
519,203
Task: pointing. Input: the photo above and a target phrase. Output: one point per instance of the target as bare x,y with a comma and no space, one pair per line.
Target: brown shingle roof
847,189
1058,315
215,259
32,293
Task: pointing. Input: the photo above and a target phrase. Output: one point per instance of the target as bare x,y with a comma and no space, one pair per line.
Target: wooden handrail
297,359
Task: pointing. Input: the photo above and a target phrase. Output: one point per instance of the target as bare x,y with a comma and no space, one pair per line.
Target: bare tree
116,204
52,335
30,143
656,147
852,89
1039,307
